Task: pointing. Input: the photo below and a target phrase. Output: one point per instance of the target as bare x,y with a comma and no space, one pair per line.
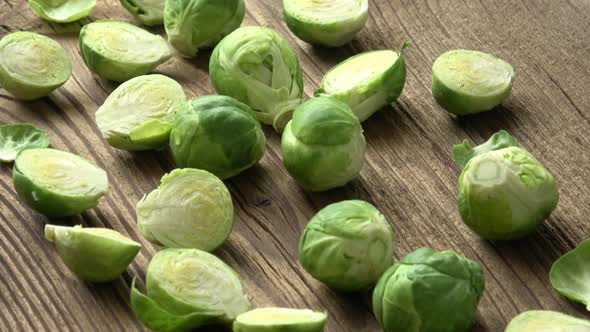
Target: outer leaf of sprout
62,11
547,321
570,274
17,137
463,152
147,12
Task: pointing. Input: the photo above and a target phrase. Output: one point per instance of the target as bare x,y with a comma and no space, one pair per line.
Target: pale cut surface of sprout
62,11
547,321
357,70
280,319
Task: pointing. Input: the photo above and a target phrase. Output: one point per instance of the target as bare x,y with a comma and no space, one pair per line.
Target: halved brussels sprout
323,146
118,51
62,11
147,12
367,82
464,152
465,82
58,183
196,24
139,114
326,22
93,254
186,289
17,137
32,65
570,274
218,134
280,319
258,67
547,321
191,208
347,245
429,291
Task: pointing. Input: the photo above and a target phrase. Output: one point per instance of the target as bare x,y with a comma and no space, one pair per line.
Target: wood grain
408,175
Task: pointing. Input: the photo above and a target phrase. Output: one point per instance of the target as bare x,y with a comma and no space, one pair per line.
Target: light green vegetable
570,274
429,291
196,24
326,22
32,65
258,67
118,51
547,321
58,183
17,137
464,152
347,245
191,208
218,134
465,82
93,254
280,319
139,114
186,289
62,11
323,146
147,12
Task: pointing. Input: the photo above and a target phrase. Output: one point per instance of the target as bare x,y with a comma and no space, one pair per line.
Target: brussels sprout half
570,274
62,11
547,321
280,319
17,137
118,51
147,12
32,65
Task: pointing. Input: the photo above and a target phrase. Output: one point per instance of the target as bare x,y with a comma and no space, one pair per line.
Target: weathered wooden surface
408,173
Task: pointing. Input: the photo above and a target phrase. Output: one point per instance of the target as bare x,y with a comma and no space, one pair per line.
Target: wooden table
409,174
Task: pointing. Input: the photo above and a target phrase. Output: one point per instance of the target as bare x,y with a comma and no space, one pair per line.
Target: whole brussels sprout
280,320
429,291
547,321
218,134
347,245
62,11
258,67
147,12
323,146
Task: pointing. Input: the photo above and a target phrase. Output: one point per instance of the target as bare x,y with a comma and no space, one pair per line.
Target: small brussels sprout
147,12
323,146
218,134
196,24
93,254
32,65
62,11
191,208
118,51
139,114
464,152
465,82
429,291
547,321
280,319
186,289
570,274
58,183
347,245
327,22
367,82
258,67
17,137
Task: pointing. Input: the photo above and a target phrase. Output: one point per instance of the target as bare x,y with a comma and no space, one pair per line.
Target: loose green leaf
570,274
463,152
17,137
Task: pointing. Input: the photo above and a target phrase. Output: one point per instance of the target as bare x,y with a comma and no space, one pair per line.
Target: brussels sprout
147,12
118,51
570,274
94,254
323,146
188,288
191,208
547,321
32,65
326,22
195,24
62,11
465,82
347,245
368,81
258,67
464,152
139,114
17,137
429,291
58,183
280,319
218,134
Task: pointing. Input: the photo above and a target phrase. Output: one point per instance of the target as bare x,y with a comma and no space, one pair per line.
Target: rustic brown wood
408,174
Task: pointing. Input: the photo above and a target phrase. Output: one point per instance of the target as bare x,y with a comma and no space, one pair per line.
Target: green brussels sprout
570,274
17,137
196,24
347,245
280,319
218,134
327,22
118,51
58,183
429,291
186,289
139,114
465,82
191,208
547,321
93,254
62,11
323,146
464,152
367,82
147,12
32,65
258,67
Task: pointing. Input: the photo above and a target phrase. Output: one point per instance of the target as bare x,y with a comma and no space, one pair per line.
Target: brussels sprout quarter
32,65
147,12
347,245
429,291
570,274
280,319
62,11
547,321
17,137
